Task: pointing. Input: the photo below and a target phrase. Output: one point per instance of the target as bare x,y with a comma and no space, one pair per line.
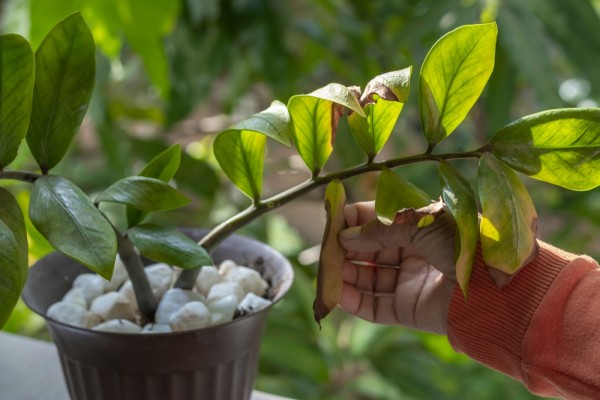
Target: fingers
359,213
375,235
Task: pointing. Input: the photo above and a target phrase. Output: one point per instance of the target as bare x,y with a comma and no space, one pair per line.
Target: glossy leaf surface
16,93
64,81
65,216
162,167
559,146
142,193
509,220
453,76
241,155
394,193
14,260
168,245
460,200
331,260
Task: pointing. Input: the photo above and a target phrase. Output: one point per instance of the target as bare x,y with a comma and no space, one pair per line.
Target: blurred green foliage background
182,70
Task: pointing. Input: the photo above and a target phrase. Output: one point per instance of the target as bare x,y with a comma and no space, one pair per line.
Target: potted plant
557,146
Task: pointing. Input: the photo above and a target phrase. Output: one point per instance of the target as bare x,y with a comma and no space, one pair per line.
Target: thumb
375,235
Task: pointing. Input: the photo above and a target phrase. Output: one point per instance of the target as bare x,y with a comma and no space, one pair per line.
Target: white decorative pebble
172,301
113,305
156,328
226,266
225,289
217,319
127,291
160,277
72,314
193,315
118,325
75,296
207,277
252,303
119,275
249,279
224,306
92,285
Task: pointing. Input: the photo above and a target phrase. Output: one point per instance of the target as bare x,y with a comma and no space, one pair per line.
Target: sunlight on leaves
509,219
453,76
561,147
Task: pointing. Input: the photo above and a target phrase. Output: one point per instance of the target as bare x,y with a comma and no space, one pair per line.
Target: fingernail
350,233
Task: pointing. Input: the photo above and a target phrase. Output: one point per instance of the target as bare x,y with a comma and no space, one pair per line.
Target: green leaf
65,216
14,260
509,220
162,167
331,259
371,133
142,193
314,122
558,146
241,154
453,76
16,93
273,122
168,245
460,200
64,80
395,193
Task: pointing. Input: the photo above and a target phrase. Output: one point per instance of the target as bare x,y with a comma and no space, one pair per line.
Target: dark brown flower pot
217,363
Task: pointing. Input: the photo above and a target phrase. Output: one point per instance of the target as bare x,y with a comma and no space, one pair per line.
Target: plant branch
215,236
23,176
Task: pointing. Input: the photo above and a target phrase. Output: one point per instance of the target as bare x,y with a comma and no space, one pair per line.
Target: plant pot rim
281,289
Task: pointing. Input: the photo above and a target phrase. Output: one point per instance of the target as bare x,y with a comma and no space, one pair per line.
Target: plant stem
135,268
215,236
23,176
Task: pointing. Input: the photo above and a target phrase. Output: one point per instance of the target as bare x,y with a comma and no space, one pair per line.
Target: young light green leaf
64,80
315,118
558,146
453,76
14,260
162,167
273,122
331,259
392,86
395,193
65,216
372,133
241,154
16,93
168,245
142,193
460,200
509,220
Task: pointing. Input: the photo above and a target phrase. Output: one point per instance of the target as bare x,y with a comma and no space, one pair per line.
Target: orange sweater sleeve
543,328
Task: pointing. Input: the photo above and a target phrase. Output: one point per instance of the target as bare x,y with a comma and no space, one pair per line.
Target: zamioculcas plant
54,88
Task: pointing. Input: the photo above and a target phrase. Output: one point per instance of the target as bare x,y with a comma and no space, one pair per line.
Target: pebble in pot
193,315
173,300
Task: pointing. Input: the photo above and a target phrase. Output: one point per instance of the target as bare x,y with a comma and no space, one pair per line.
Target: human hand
398,274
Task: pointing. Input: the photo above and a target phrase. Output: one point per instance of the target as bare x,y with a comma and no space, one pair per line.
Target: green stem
135,269
215,236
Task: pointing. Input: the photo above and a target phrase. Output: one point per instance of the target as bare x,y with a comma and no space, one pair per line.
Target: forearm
542,328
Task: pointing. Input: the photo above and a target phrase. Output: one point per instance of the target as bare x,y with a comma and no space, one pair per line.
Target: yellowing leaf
509,219
395,193
331,260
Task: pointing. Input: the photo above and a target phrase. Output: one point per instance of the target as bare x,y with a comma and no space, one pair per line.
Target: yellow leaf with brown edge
331,260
